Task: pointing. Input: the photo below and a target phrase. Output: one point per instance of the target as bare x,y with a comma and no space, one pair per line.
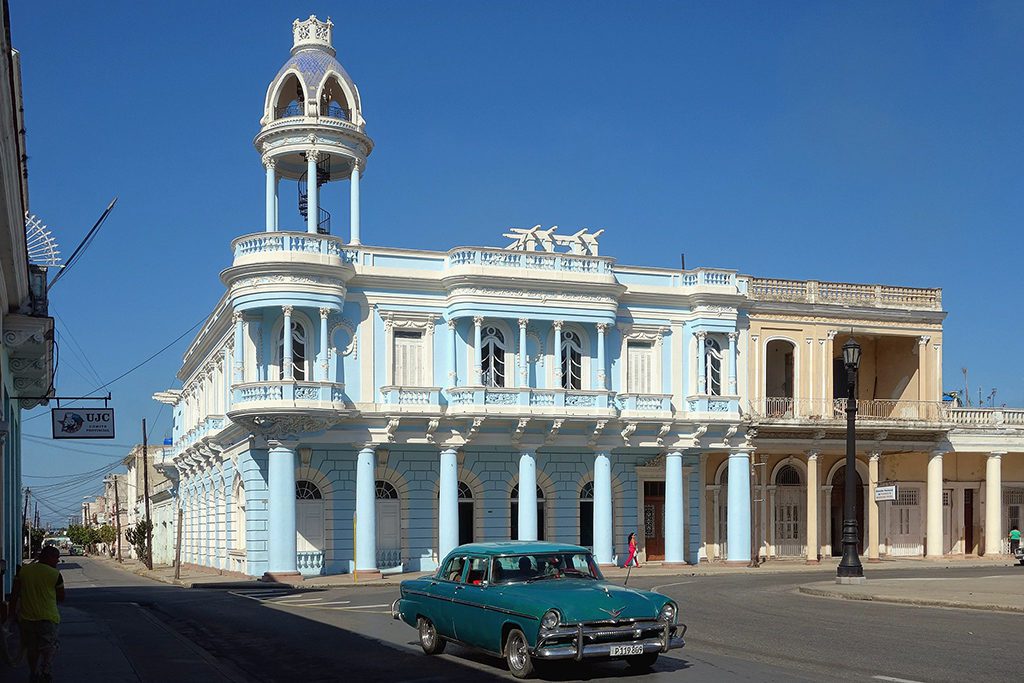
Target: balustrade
812,291
781,408
310,562
529,260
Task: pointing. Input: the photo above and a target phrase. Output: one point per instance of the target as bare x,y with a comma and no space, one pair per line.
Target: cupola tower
312,130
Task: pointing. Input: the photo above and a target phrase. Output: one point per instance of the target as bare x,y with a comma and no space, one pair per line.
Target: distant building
26,331
368,408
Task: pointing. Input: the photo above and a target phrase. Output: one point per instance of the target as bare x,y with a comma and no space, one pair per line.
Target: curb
900,600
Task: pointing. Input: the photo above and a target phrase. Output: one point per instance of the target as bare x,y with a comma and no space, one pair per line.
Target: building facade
354,408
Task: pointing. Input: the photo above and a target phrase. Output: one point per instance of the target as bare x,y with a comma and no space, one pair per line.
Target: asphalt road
741,628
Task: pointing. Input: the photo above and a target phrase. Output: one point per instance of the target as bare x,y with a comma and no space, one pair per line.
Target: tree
79,535
137,536
107,534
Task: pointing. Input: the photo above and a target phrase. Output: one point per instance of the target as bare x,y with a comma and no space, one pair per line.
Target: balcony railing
310,562
782,408
287,391
535,398
529,260
213,423
411,396
293,242
843,293
986,416
644,402
293,109
389,558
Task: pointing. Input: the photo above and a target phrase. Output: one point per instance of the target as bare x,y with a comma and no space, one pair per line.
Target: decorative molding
353,341
391,428
269,162
287,310
553,431
517,435
718,310
628,431
596,434
528,293
432,426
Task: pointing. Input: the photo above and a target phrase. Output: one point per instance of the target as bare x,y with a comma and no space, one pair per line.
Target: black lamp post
850,566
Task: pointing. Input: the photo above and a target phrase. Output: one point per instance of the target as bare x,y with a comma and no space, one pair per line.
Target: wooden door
968,521
309,525
654,520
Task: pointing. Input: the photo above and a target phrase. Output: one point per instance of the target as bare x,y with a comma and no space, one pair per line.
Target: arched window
289,99
514,512
298,351
385,491
465,514
492,357
712,367
587,515
238,513
333,102
787,476
389,526
572,361
307,490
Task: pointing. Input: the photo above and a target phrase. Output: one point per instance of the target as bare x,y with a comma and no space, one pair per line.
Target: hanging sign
886,493
82,423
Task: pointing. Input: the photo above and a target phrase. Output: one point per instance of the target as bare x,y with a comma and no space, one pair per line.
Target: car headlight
668,612
550,619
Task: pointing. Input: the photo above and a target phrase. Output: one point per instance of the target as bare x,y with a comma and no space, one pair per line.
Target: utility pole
117,518
24,526
145,486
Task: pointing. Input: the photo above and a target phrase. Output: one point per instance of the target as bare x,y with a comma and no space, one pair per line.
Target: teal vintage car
528,601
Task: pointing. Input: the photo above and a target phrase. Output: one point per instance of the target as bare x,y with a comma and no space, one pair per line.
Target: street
742,627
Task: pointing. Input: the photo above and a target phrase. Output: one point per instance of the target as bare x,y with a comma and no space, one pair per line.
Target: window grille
298,351
946,499
572,361
1013,496
307,490
492,357
465,493
788,476
639,367
712,367
408,358
903,521
906,498
587,491
385,491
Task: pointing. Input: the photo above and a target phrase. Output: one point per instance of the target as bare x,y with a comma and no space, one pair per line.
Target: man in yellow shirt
38,588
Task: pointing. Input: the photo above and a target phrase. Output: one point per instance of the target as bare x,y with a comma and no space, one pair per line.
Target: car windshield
541,566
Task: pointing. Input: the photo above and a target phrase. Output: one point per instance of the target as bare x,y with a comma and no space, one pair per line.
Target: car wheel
431,642
642,661
517,654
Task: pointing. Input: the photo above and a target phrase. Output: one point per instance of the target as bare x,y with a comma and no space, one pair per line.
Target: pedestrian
38,587
632,551
1014,539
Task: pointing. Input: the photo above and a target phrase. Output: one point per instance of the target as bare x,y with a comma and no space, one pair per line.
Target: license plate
626,650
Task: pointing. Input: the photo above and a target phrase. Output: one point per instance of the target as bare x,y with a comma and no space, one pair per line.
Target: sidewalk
1003,593
210,578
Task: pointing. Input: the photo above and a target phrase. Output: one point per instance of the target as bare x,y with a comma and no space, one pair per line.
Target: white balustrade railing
501,397
529,260
293,242
388,558
844,293
835,410
986,416
310,562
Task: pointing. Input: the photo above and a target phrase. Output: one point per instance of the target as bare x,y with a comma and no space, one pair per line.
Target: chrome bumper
671,639
395,612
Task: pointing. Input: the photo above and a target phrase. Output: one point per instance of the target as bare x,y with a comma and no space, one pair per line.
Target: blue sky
863,142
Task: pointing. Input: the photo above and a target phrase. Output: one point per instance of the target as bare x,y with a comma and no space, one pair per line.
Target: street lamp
850,568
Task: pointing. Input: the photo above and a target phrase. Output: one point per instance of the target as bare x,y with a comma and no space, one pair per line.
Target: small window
452,570
307,490
639,356
712,367
385,491
572,361
492,357
408,360
477,574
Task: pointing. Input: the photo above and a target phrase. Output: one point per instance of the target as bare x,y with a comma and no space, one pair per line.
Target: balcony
712,404
986,417
481,400
210,425
310,562
292,247
287,394
632,404
411,399
844,294
819,410
536,261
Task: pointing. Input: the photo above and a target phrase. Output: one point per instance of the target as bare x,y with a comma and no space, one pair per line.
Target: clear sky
861,142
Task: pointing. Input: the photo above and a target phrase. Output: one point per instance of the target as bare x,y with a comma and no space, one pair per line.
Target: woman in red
632,551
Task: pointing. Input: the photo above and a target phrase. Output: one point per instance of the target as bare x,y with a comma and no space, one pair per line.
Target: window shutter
638,370
408,358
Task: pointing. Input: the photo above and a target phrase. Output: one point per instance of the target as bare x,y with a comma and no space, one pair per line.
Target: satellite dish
42,247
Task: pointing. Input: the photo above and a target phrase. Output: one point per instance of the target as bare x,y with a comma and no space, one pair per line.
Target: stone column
739,508
448,504
312,190
732,363
603,508
269,164
281,509
478,322
994,504
872,535
524,377
366,512
933,540
287,362
453,336
602,380
354,203
922,368
558,357
675,553
322,355
239,360
813,478
702,385
527,497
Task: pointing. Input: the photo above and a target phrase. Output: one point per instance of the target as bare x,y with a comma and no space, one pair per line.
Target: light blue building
360,408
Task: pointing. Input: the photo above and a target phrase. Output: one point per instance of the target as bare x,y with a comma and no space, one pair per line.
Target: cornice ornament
529,293
398,320
288,279
313,154
721,310
602,327
16,337
523,322
923,340
557,324
325,312
281,427
452,322
353,343
845,322
701,334
831,334
237,317
287,310
478,320
269,162
733,336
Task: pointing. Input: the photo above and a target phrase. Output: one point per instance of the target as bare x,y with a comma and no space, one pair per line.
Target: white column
602,508
269,164
674,551
812,507
281,508
702,385
994,504
322,355
602,382
527,497
448,504
287,363
366,511
523,371
239,350
732,362
477,351
872,534
558,355
933,540
453,338
312,190
739,507
922,368
354,203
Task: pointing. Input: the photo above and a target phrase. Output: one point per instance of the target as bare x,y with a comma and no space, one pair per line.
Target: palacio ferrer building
367,408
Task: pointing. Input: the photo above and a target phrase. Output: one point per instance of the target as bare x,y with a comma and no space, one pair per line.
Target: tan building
959,471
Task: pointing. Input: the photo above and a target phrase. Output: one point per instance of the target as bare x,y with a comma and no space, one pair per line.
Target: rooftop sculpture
536,239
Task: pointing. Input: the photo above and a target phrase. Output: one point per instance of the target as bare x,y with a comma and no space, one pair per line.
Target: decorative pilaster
453,338
558,353
312,192
732,362
994,504
702,385
523,371
287,359
271,202
354,202
527,497
675,553
322,355
933,539
602,381
813,478
239,350
872,535
478,322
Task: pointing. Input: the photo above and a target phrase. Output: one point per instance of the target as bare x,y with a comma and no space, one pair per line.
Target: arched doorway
838,506
587,515
309,517
779,378
465,514
514,513
790,497
389,526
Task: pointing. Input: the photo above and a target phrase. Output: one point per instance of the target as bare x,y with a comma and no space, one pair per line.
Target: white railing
529,260
293,242
501,397
310,561
413,397
261,392
812,291
986,416
709,277
782,408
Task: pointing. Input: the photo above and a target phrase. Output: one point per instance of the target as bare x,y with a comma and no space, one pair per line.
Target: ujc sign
82,423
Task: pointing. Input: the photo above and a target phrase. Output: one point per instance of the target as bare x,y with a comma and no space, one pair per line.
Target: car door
469,606
442,588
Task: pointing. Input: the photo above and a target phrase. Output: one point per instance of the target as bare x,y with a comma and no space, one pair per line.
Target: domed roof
312,65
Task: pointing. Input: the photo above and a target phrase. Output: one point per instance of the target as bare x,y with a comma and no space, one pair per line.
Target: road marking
337,602
364,606
894,680
299,596
667,585
297,603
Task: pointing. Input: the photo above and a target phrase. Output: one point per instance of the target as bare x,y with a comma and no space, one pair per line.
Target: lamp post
850,569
